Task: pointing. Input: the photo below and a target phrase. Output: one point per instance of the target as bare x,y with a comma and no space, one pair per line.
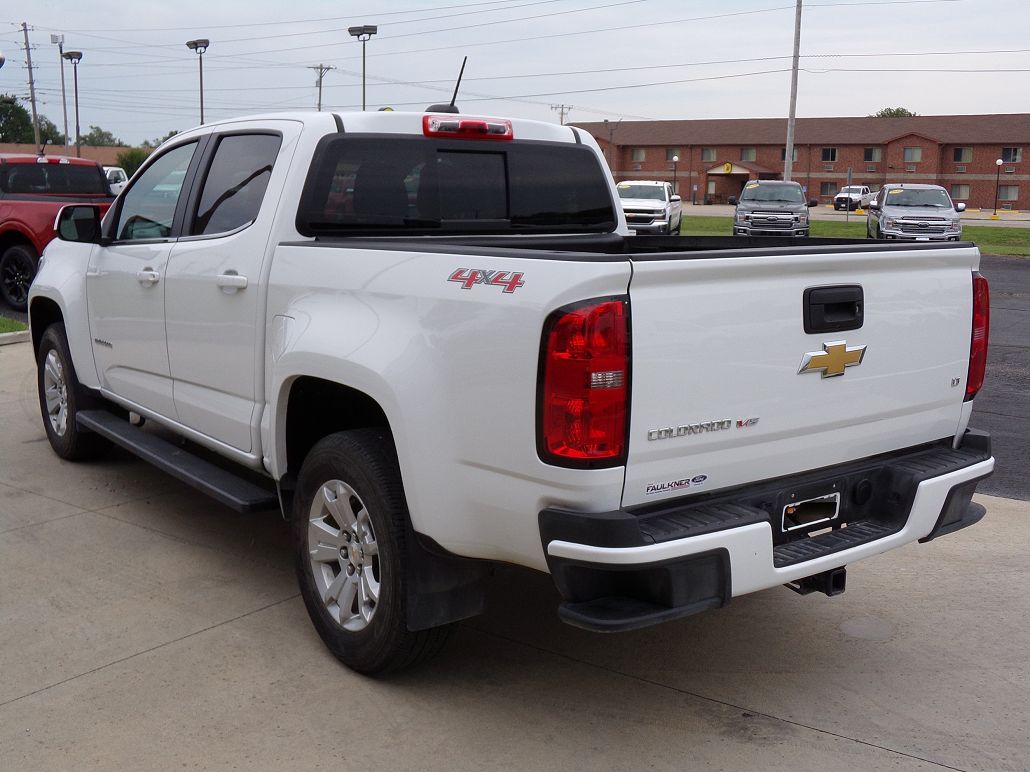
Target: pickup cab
771,208
431,342
650,206
33,189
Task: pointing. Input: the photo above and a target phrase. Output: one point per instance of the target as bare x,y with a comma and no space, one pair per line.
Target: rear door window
235,184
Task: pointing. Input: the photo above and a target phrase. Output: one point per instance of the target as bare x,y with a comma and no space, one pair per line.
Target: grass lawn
992,241
11,325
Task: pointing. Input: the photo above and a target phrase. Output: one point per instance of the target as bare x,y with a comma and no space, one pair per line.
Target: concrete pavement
143,626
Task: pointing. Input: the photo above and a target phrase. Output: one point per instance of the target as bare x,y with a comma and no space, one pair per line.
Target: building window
827,188
708,154
872,154
747,154
671,152
637,154
963,155
1008,192
829,154
913,154
960,192
1012,155
793,156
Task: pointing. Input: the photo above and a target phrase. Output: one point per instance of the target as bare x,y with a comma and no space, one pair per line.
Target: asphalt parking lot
146,627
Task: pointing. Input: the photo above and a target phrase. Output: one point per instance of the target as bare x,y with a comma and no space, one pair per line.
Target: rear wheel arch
316,408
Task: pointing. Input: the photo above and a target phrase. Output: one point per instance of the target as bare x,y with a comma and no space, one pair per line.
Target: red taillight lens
460,127
584,385
978,342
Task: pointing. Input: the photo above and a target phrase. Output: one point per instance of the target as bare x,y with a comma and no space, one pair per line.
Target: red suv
32,191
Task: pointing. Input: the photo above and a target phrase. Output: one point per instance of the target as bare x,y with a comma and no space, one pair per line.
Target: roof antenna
451,107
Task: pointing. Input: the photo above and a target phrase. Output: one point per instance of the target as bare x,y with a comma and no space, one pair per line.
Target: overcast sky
606,58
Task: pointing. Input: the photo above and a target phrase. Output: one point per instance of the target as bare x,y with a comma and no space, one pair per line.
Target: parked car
492,370
33,189
771,208
851,197
116,178
650,206
914,212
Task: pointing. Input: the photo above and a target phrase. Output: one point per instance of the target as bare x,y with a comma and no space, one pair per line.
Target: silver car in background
915,213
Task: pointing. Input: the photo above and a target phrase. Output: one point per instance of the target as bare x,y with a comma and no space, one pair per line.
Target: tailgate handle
833,309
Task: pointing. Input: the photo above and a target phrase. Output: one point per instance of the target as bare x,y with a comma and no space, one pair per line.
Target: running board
221,485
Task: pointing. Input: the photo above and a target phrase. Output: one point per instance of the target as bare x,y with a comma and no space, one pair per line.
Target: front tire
17,270
61,397
349,534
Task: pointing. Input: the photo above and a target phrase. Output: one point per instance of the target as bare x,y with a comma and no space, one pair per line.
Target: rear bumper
622,570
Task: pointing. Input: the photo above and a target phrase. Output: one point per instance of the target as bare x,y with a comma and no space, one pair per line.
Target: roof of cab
27,158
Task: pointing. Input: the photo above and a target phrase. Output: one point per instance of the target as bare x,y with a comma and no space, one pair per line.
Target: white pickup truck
430,340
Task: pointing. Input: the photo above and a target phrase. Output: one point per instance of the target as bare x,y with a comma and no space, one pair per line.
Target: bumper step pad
856,533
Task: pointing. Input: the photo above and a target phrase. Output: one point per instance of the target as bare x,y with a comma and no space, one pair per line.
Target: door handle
836,308
148,277
230,281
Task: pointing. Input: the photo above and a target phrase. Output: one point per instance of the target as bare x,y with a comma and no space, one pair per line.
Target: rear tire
349,533
61,397
17,270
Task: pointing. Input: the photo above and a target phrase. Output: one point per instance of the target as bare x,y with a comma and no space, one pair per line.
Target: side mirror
960,207
732,200
675,197
79,223
813,202
873,204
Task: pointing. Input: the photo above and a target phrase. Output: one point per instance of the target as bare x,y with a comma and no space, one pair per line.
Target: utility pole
32,84
562,111
321,69
788,157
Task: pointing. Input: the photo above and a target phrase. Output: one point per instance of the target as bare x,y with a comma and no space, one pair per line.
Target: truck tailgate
718,342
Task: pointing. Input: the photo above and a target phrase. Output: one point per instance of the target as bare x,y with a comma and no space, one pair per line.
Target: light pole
997,186
675,162
74,57
200,46
363,33
59,40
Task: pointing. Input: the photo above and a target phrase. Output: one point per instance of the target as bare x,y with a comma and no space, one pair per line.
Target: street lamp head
73,56
999,162
363,32
199,45
675,159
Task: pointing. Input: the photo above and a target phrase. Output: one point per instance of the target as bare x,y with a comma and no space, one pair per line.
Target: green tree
48,130
160,140
15,121
98,137
893,112
133,158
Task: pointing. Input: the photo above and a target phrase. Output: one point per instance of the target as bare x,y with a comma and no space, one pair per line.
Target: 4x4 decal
469,277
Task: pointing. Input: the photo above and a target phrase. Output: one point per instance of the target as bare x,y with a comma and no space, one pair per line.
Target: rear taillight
584,385
460,127
978,341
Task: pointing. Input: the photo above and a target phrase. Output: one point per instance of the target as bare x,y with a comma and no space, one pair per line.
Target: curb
13,337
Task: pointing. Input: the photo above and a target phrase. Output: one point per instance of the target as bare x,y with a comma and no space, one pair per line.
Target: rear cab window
53,179
363,185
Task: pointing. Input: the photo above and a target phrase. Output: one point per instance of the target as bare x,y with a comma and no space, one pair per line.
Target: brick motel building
717,157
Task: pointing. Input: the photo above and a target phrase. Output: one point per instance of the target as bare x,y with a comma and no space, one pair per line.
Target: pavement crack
126,658
714,700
